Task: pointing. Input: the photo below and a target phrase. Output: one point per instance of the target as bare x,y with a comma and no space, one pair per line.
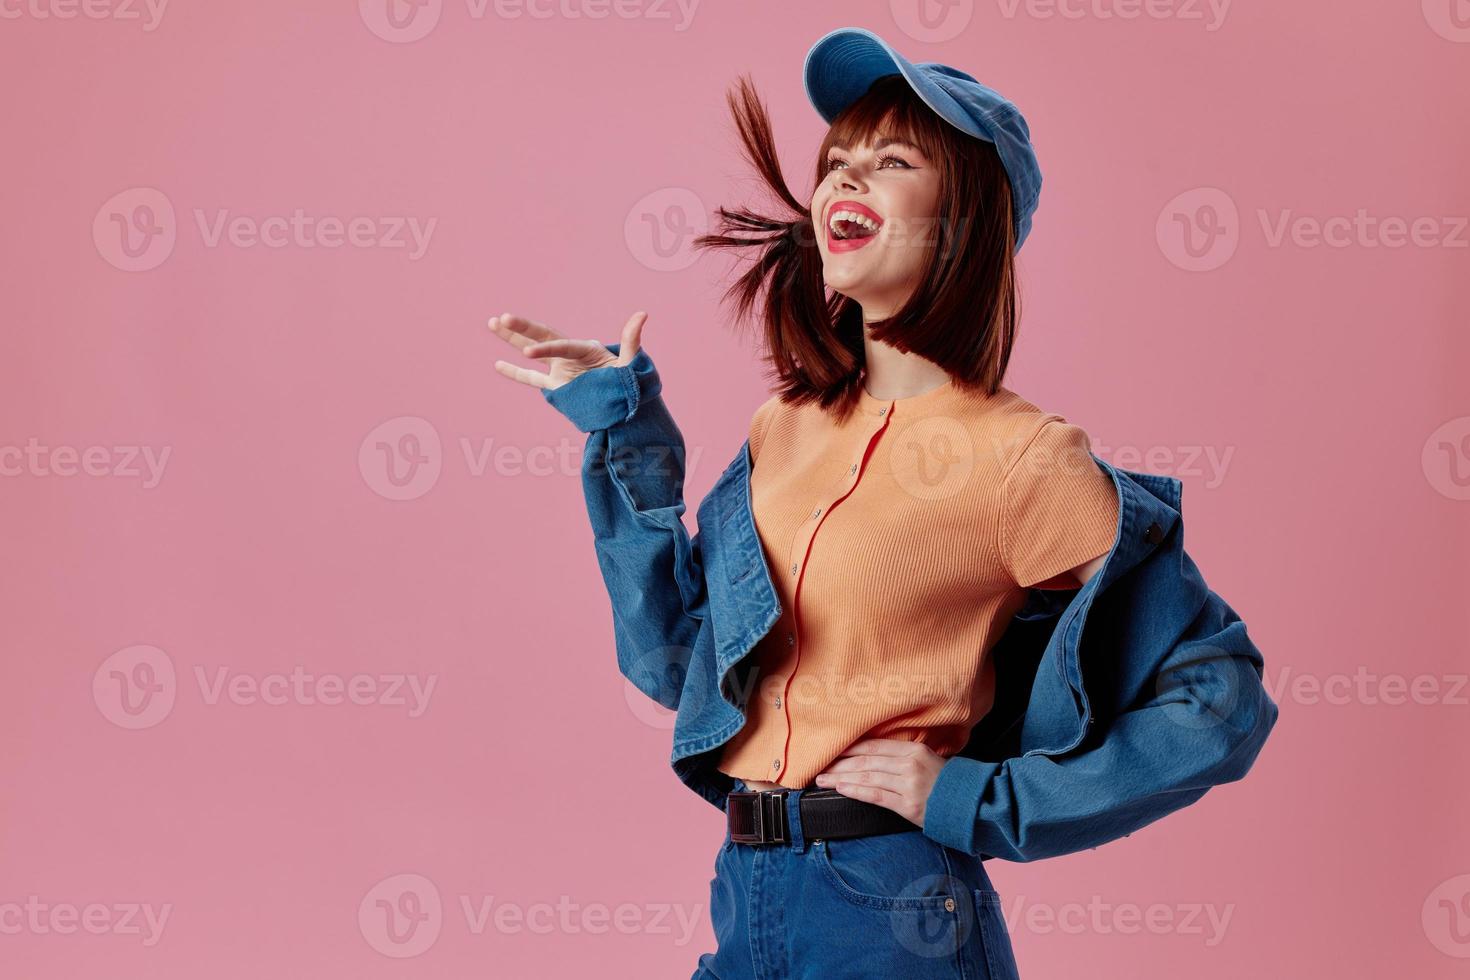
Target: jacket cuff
604,396
952,809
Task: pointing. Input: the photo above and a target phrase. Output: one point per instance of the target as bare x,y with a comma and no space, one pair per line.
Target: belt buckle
771,826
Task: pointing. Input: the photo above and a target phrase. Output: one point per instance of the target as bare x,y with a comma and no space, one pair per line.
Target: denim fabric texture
1171,703
881,907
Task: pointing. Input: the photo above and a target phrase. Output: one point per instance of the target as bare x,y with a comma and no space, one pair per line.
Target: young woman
906,503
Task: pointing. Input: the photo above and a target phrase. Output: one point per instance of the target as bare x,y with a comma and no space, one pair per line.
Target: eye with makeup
882,159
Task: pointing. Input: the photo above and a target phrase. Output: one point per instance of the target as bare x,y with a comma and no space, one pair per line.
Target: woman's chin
846,281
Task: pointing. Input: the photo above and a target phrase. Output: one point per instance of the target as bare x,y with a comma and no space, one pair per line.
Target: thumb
632,331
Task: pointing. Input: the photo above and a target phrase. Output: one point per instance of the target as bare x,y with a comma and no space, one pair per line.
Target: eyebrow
882,142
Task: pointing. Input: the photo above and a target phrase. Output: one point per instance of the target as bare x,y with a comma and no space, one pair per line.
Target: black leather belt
760,817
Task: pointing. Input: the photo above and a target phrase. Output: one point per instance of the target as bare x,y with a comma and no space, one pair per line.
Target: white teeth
853,216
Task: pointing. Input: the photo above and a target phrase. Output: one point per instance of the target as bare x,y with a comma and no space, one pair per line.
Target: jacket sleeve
633,481
1201,721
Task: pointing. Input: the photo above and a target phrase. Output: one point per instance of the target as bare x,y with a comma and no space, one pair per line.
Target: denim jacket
1171,702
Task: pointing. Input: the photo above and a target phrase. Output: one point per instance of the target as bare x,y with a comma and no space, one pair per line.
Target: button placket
801,546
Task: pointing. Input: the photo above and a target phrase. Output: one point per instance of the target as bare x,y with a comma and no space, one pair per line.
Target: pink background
1310,396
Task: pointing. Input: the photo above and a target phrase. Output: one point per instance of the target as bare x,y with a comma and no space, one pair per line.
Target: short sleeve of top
1059,509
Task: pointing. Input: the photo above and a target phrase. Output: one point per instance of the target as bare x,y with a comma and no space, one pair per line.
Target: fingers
869,779
521,331
534,339
889,764
632,333
886,746
524,375
873,795
872,791
588,351
524,334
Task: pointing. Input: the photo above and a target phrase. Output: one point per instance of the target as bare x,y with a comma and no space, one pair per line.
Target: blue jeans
898,906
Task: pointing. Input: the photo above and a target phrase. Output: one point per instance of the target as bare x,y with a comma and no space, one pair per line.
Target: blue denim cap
842,64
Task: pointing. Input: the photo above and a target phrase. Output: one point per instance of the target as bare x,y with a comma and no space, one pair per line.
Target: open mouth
851,223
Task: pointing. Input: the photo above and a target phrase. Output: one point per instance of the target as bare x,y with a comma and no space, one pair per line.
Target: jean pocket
1000,957
893,872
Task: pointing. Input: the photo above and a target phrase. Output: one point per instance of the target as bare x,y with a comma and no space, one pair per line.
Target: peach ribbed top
901,542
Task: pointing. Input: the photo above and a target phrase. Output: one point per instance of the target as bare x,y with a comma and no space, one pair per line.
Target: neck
892,373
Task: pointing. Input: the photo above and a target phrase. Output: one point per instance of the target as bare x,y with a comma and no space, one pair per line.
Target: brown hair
962,313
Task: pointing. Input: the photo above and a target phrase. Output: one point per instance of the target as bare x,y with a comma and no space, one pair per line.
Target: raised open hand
564,358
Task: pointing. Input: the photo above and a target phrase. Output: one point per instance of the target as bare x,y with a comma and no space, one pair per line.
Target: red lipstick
859,234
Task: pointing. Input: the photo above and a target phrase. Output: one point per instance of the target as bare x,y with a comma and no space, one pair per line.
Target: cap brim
843,63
